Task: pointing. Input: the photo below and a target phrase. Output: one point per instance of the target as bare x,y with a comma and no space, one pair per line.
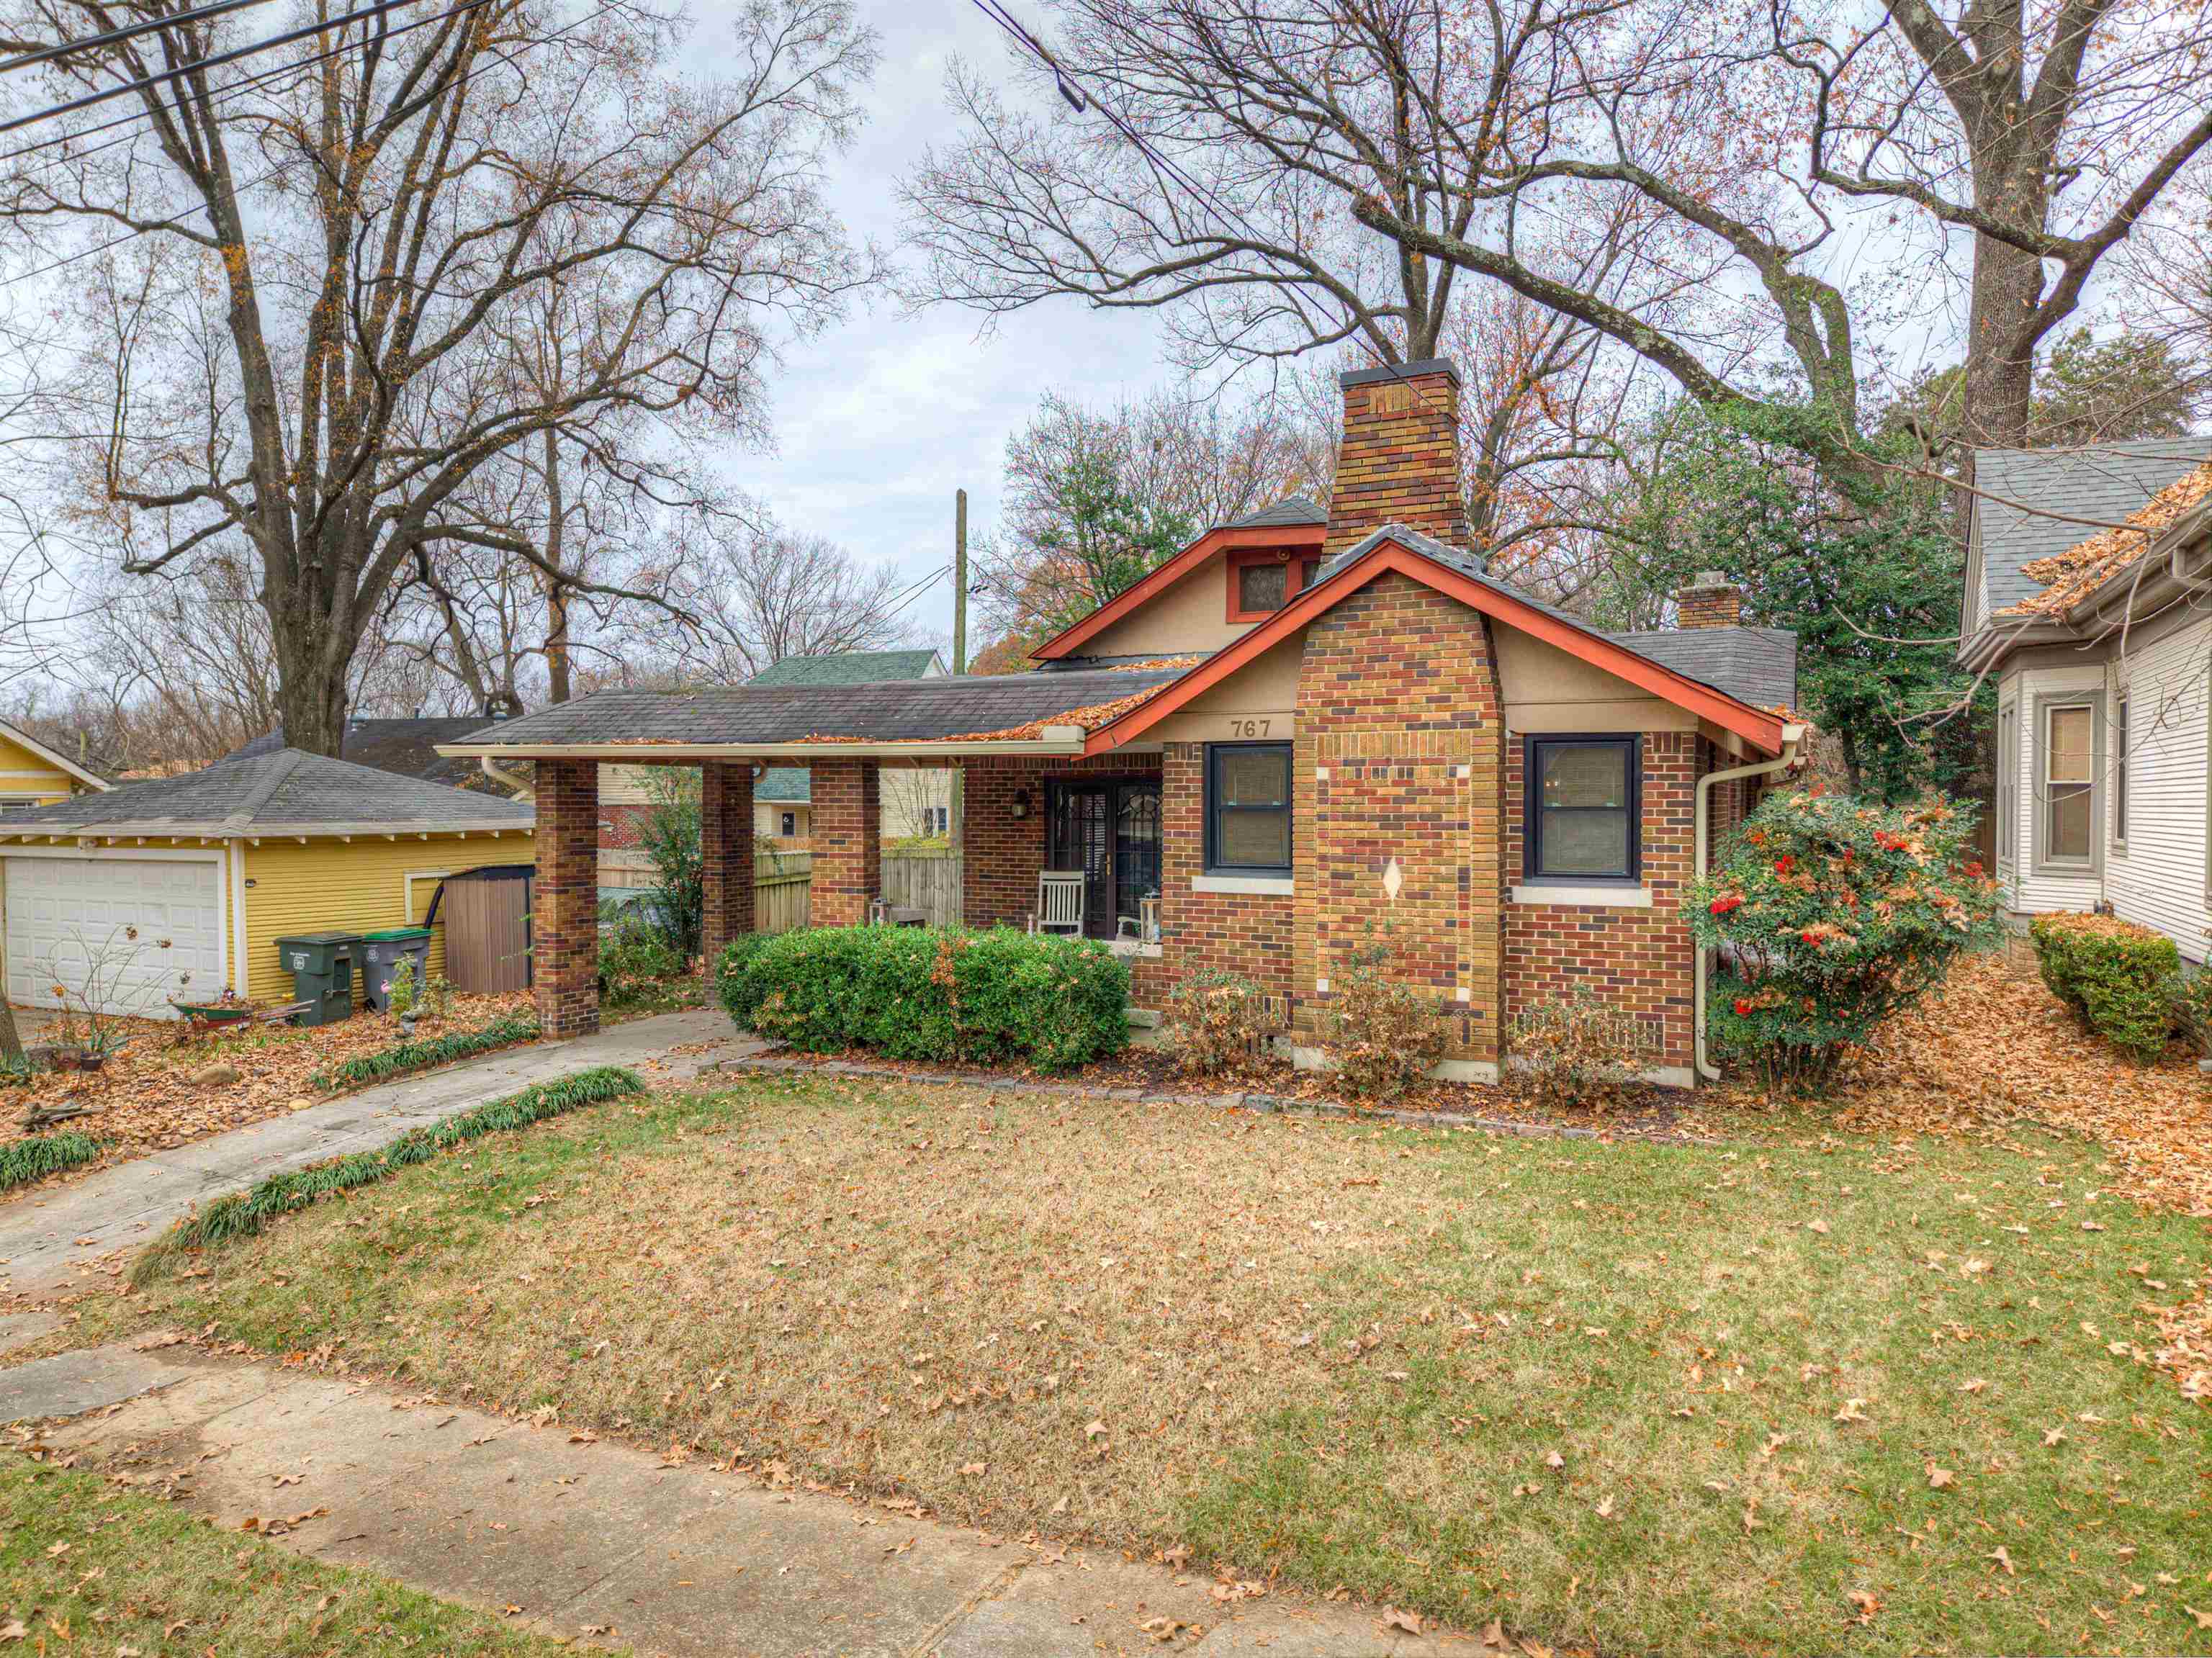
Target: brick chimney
1710,601
1399,462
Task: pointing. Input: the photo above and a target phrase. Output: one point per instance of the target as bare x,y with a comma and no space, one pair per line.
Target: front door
1111,830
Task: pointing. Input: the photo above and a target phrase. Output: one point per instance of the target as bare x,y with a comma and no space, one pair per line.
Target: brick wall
1251,933
725,848
1398,762
1709,603
565,902
848,837
1640,961
619,827
1398,462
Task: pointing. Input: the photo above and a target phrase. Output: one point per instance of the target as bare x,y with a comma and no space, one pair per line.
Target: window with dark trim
1582,809
1261,583
789,826
1247,808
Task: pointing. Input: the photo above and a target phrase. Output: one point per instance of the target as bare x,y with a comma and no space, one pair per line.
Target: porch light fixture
1020,806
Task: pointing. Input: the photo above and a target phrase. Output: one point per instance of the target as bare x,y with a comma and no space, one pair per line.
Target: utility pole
959,581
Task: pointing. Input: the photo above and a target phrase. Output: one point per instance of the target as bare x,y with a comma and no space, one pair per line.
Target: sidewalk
612,1546
48,1241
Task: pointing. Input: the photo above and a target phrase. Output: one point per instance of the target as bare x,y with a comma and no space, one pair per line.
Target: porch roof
1033,713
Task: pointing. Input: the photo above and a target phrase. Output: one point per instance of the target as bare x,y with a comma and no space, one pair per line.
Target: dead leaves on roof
1090,718
2087,565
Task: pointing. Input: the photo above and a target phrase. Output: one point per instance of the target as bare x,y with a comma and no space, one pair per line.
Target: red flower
1974,870
1725,902
1742,1007
1785,863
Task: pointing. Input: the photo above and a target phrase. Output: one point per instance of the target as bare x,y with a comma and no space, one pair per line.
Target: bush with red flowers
1829,914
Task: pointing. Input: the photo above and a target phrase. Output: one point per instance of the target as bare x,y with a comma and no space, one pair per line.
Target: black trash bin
381,953
322,966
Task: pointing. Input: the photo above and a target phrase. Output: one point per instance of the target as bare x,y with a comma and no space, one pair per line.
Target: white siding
2035,894
2159,880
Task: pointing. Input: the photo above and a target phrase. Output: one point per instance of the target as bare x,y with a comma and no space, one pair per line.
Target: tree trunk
311,698
11,1044
2000,381
556,590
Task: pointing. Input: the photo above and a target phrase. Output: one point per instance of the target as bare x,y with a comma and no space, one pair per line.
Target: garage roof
289,791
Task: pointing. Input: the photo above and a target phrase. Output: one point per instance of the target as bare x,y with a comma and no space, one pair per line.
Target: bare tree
296,348
764,593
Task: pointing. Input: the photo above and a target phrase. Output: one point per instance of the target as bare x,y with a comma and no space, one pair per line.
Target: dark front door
1111,830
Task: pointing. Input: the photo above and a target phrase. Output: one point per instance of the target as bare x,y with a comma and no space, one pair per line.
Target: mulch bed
152,1097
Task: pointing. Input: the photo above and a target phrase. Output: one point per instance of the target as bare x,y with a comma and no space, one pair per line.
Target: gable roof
60,762
849,668
1754,665
1304,526
285,791
2103,483
1458,575
408,748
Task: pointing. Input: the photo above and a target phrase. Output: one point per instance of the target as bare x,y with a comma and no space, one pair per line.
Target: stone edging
1272,1104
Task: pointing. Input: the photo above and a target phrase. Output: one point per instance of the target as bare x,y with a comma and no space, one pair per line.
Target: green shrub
2120,980
242,1214
1217,1021
403,1057
636,956
40,1155
2193,1004
923,994
1833,914
1386,1036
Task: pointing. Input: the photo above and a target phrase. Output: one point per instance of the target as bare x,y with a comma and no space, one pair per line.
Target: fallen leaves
1941,1480
1398,1620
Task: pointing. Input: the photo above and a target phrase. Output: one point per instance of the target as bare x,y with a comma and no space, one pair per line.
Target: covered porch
1030,801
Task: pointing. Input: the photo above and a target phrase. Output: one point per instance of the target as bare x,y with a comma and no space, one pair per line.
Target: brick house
1312,730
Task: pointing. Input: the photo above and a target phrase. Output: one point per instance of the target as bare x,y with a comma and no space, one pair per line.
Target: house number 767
1248,727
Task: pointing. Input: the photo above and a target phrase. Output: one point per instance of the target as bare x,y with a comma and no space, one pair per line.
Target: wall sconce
1020,807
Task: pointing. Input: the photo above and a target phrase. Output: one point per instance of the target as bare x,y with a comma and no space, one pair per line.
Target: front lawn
1888,1395
85,1568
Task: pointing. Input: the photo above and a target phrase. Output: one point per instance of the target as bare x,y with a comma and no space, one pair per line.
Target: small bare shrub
1217,1022
1386,1036
1580,1052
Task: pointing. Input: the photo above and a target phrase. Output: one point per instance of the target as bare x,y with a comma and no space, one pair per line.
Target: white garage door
65,914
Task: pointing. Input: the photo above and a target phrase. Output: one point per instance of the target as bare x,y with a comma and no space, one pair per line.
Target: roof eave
61,762
159,828
1226,538
659,753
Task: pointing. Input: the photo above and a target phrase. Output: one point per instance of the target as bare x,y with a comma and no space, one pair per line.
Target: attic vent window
1261,583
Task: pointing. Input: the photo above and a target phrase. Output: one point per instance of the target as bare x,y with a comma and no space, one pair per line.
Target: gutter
1058,740
520,788
1792,735
169,829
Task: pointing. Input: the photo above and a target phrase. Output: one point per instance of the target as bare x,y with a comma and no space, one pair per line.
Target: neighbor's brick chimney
1710,601
1399,462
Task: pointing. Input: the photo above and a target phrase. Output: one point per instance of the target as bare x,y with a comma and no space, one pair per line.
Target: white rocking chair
1060,902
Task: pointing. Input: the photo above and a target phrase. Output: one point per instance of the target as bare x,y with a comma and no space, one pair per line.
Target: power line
128,32
124,87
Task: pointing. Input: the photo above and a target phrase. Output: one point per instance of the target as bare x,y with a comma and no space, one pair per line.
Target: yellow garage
209,869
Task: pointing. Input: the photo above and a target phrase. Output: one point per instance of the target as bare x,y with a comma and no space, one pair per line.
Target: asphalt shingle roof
902,711
408,747
285,790
1290,510
1755,665
787,786
2104,482
846,668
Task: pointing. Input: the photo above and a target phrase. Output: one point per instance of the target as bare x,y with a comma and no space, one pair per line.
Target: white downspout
1791,737
506,780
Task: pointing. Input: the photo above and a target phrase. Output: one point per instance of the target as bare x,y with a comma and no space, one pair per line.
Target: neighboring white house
2101,644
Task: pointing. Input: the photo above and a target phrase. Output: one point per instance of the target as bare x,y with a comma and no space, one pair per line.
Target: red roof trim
1295,536
1754,725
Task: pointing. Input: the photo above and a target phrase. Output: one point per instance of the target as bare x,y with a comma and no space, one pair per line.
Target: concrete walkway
612,1546
50,1240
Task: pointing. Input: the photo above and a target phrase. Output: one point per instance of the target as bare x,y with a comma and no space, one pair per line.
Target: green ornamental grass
26,1160
404,1057
242,1214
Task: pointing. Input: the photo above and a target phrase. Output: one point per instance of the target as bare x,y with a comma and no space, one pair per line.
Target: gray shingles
284,786
406,746
910,711
2105,482
1290,510
846,668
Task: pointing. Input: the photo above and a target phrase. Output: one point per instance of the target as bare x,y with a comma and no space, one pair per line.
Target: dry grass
1341,1353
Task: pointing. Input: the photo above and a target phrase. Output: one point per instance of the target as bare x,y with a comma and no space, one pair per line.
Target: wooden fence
783,884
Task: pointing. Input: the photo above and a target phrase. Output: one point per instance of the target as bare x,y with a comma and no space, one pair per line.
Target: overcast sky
878,421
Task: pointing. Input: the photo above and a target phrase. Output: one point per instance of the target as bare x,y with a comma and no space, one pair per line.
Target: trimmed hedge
242,1214
402,1057
2120,980
40,1155
923,994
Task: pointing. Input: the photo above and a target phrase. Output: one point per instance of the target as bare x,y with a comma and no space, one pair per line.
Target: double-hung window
1581,815
2070,747
1247,808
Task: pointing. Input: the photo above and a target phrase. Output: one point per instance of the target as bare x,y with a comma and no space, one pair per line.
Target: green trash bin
321,965
381,954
